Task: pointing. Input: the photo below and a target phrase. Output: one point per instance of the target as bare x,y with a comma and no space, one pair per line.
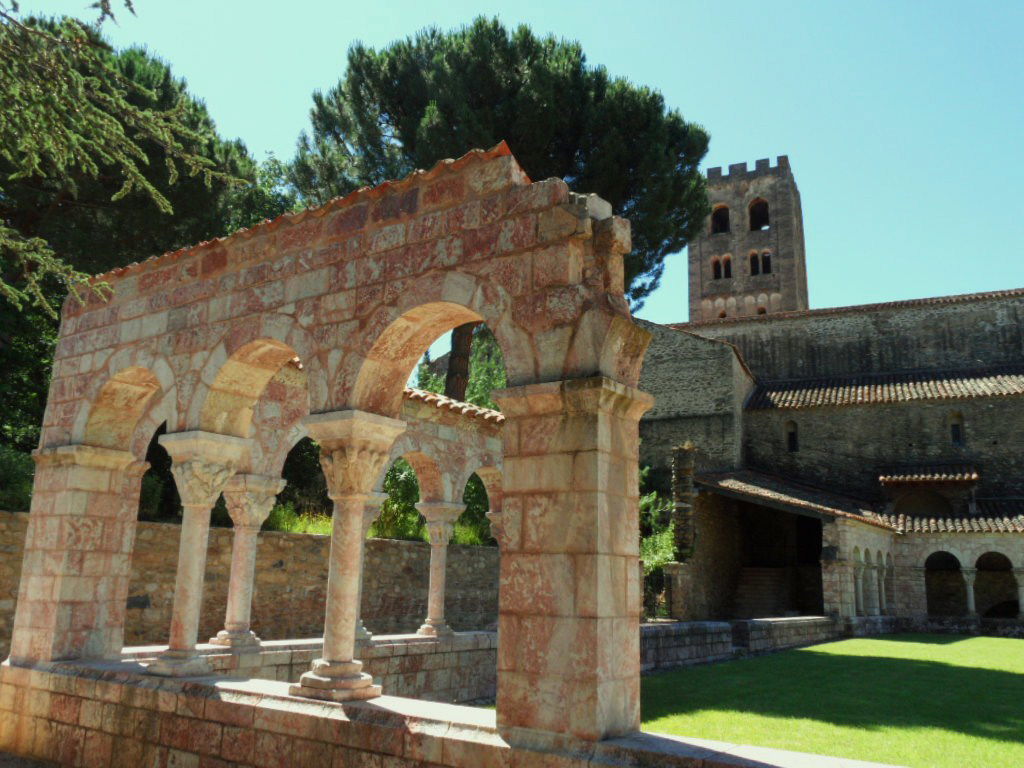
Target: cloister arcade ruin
311,325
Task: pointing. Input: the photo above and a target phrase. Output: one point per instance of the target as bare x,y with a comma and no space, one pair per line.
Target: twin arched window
761,265
721,269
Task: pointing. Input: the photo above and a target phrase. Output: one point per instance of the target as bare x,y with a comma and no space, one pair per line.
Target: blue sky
903,121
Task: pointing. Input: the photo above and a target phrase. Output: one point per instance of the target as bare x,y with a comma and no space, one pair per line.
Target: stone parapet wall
291,578
679,643
764,635
457,668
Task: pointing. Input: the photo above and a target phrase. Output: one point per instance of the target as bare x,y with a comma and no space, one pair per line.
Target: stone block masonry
291,577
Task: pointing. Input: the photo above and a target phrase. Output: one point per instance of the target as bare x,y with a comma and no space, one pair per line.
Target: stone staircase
761,592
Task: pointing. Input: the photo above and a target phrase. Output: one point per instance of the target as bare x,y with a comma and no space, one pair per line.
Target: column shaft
440,517
343,579
858,587
969,575
188,582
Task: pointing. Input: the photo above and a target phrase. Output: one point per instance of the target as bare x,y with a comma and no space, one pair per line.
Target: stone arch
995,588
128,405
434,484
393,339
758,213
945,589
720,219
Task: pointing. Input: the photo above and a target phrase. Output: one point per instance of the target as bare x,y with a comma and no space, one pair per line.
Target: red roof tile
872,389
466,409
928,475
964,524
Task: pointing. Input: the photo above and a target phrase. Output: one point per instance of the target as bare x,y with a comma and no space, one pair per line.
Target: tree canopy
438,94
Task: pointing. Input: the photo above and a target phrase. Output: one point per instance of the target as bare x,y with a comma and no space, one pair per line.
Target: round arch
995,588
945,588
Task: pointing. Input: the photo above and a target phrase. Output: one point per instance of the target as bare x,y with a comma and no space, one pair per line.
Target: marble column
249,499
870,590
1018,574
202,464
370,513
858,588
882,607
440,517
354,451
969,576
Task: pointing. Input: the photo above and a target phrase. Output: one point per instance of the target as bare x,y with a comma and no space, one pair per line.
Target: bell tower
750,259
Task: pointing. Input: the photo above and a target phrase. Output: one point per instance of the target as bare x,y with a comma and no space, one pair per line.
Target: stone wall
764,635
699,388
946,333
678,643
291,577
843,448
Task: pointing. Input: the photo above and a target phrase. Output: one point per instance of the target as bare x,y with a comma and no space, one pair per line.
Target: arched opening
995,588
792,437
727,268
158,498
716,269
755,264
119,407
240,382
923,503
720,220
945,589
766,263
303,506
957,436
758,214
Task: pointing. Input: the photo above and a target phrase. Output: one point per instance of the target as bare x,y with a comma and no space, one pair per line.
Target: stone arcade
338,304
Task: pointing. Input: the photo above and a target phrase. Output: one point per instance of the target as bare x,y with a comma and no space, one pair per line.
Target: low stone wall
678,643
458,668
763,635
103,715
291,579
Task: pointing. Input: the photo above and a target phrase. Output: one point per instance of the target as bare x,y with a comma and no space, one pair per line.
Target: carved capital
250,498
440,517
969,574
354,449
200,482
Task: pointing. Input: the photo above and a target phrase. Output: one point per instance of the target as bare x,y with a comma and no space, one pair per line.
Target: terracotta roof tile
781,493
928,474
962,524
362,194
872,389
466,409
858,308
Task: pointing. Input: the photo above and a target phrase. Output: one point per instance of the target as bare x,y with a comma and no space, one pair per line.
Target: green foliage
656,545
438,94
486,370
473,528
284,517
399,518
306,487
16,472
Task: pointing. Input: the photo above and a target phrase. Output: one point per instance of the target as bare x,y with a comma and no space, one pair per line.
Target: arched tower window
755,264
716,269
956,430
726,267
766,263
792,439
720,219
758,214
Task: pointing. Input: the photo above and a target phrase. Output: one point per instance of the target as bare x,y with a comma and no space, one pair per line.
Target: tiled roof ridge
466,409
362,194
928,473
956,523
946,384
958,298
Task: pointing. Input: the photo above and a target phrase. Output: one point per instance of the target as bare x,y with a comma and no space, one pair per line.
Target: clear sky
903,121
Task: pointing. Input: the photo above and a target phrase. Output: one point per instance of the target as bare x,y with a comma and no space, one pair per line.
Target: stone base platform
457,667
111,714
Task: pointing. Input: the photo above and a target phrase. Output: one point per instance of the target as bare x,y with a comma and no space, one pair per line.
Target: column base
179,664
241,640
435,629
336,681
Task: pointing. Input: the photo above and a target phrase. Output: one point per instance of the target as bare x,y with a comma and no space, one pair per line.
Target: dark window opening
755,265
956,433
722,314
727,268
758,215
716,269
766,263
720,220
792,440
762,311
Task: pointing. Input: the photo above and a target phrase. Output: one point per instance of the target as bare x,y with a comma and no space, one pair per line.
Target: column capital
440,517
597,393
203,462
969,574
250,498
354,448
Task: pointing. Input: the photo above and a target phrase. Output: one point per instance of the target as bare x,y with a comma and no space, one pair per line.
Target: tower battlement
750,258
761,166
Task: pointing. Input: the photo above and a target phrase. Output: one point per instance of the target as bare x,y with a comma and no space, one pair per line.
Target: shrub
283,517
16,472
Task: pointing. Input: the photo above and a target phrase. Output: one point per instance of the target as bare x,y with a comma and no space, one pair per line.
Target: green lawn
934,701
